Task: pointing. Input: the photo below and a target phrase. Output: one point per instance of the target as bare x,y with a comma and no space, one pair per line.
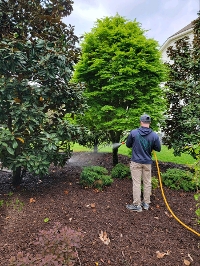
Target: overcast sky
162,18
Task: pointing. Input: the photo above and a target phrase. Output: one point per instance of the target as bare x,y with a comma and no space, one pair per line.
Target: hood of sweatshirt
144,131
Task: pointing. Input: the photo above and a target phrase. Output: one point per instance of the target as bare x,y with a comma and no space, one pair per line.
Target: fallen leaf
160,255
190,257
66,192
186,262
92,205
104,237
32,200
46,220
170,216
20,139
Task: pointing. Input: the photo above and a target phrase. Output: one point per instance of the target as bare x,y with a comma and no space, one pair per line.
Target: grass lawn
166,155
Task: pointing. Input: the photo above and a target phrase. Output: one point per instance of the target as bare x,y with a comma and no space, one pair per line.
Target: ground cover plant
56,246
112,235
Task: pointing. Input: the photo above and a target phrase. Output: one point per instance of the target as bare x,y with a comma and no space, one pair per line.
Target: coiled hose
165,200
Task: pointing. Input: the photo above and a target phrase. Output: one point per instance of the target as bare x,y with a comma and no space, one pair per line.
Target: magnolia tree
122,71
37,55
182,129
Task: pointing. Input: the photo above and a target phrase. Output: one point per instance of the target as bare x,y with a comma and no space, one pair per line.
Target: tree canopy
122,71
37,55
182,129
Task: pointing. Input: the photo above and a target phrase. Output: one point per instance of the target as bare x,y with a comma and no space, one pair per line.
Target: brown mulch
135,238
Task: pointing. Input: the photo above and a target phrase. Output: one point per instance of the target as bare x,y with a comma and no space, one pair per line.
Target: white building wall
171,41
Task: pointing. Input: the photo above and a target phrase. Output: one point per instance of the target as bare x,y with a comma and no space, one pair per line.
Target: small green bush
154,182
178,179
120,171
95,177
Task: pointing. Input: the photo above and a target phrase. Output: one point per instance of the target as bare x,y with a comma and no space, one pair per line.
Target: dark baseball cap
145,118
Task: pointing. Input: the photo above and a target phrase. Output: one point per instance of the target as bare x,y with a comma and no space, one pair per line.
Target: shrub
178,179
120,171
154,182
58,247
95,177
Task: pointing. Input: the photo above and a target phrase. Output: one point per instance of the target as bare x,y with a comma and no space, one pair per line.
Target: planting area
151,237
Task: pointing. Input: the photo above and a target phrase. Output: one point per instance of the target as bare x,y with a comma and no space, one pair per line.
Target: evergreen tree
37,55
182,129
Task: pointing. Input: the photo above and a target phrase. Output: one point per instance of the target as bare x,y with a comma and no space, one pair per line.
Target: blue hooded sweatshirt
143,141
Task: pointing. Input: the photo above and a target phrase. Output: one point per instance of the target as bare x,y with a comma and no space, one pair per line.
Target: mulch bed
135,238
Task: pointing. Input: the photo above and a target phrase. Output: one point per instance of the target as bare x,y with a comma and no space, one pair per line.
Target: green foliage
120,171
179,179
1,203
57,247
122,71
18,205
154,182
95,177
196,167
182,94
14,203
197,212
195,149
36,64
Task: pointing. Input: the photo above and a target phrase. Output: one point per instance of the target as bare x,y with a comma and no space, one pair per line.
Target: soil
136,239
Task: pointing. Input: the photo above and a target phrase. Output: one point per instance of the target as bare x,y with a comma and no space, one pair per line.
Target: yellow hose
165,200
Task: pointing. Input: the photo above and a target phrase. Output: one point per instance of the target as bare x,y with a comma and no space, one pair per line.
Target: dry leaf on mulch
160,255
104,237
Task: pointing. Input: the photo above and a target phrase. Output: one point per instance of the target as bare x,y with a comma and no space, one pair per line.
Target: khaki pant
141,172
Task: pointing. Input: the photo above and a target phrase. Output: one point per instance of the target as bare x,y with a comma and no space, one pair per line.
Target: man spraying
143,141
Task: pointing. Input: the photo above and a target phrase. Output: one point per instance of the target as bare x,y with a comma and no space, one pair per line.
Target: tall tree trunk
96,142
17,177
115,156
115,136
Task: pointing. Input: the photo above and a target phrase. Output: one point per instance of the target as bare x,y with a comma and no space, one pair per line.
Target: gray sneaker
145,206
134,207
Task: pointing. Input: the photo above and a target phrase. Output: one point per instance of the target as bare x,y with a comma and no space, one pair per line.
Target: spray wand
117,145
